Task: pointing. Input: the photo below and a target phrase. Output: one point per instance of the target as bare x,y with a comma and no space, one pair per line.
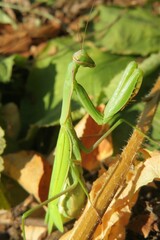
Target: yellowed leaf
89,132
118,214
147,227
31,171
35,232
150,171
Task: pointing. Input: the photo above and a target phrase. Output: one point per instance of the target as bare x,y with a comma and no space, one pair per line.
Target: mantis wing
59,174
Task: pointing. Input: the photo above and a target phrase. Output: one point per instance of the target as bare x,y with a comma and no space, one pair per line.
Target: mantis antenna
86,26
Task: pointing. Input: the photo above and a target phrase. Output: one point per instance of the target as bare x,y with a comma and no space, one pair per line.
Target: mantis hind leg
29,212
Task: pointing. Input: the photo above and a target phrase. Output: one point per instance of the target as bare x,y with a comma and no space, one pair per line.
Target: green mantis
67,188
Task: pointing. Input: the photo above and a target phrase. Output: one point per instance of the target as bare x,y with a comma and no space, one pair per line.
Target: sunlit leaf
128,31
6,65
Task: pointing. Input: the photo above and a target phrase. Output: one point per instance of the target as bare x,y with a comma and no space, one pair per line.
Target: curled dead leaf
31,171
118,214
89,132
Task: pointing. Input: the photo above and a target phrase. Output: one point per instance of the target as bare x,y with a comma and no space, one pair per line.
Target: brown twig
87,223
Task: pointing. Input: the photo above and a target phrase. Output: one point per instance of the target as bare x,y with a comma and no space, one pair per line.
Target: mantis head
83,59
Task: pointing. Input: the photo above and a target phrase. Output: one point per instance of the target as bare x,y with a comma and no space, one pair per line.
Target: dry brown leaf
150,171
89,132
11,116
129,2
117,216
144,223
147,227
22,39
35,232
31,171
5,217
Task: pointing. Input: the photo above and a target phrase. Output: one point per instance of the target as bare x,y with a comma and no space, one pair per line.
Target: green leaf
5,19
1,164
127,31
4,204
155,130
2,141
6,65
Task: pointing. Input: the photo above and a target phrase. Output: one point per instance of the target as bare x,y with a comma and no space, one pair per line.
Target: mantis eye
83,59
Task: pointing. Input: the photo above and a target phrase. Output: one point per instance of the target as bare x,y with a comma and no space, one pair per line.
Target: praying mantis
67,192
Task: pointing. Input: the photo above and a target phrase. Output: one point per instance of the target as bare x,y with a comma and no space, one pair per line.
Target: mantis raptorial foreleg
67,171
